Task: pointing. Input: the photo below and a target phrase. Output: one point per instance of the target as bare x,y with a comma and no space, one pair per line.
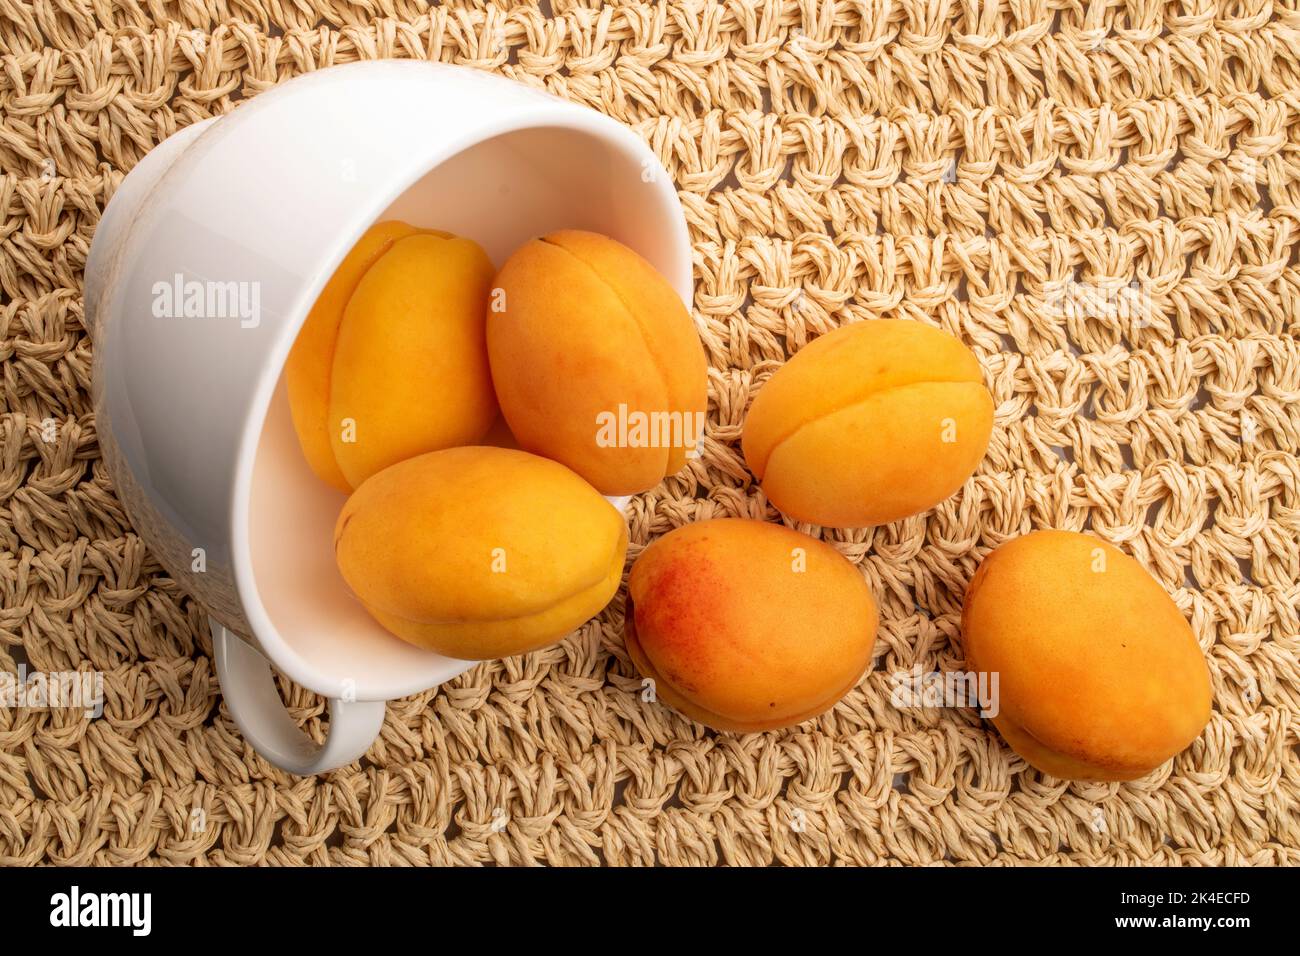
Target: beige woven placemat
957,163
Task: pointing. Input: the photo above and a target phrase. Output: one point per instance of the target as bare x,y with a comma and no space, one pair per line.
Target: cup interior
500,192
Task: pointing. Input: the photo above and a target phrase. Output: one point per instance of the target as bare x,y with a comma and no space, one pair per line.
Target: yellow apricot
746,626
480,552
1099,674
596,362
308,369
870,423
392,361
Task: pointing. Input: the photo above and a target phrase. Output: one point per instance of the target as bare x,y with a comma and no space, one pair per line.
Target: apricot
870,423
746,626
480,552
392,361
1099,674
596,362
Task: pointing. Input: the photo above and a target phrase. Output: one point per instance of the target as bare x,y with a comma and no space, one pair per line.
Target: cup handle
255,705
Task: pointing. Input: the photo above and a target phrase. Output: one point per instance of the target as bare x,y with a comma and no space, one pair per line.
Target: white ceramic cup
191,411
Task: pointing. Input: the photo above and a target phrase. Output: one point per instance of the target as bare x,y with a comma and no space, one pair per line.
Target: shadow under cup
500,193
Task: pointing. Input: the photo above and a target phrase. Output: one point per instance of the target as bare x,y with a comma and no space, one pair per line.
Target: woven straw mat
945,162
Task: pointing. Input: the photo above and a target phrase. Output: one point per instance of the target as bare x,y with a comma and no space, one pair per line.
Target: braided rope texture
947,161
